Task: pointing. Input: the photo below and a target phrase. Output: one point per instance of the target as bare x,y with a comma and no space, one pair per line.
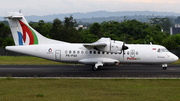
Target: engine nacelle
112,46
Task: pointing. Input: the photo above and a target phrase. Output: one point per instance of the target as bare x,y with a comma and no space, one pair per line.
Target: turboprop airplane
103,52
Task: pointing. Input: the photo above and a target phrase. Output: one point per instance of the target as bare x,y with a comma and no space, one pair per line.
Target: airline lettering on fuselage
132,55
131,58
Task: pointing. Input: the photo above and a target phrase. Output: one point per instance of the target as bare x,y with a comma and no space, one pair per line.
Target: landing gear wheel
94,68
164,68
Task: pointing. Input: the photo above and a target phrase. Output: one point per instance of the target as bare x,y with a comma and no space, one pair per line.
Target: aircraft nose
175,58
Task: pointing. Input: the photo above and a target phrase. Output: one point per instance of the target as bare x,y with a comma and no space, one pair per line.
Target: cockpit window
162,50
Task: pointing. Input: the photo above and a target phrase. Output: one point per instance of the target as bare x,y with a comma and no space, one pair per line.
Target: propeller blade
124,48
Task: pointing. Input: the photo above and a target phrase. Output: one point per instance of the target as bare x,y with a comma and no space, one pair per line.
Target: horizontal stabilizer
14,15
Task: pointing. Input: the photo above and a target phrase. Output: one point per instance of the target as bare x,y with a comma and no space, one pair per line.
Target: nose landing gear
164,66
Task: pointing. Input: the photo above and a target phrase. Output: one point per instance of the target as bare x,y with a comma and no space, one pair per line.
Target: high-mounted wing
94,45
107,45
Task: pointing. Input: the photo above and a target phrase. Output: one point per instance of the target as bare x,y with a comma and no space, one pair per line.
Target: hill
88,17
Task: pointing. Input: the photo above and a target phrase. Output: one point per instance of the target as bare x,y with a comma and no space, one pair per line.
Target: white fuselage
77,53
102,52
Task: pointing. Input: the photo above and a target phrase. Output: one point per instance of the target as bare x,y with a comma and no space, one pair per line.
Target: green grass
177,62
35,89
27,60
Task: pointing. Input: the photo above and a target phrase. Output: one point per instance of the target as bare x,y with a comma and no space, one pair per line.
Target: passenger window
128,53
136,53
66,51
82,52
74,52
90,52
98,52
94,52
102,52
77,52
86,52
69,52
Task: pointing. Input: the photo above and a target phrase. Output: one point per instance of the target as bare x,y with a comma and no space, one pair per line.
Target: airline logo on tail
28,37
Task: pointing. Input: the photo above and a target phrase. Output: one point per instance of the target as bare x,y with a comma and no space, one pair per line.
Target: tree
7,42
69,22
46,29
4,31
165,23
56,30
148,39
96,29
87,37
170,43
67,32
4,34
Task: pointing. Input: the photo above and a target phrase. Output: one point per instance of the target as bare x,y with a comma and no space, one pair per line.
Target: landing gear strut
97,65
94,68
164,66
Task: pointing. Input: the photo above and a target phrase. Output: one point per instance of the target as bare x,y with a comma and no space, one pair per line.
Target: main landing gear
97,65
94,68
164,66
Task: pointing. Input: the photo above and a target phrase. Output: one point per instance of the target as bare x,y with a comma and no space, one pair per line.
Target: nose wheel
164,66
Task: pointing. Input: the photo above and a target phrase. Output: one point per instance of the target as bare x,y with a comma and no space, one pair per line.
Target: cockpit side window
162,50
166,50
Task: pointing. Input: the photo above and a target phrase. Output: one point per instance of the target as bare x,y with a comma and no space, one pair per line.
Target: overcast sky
46,7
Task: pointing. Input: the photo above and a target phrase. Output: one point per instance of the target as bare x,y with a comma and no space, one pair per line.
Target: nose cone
175,58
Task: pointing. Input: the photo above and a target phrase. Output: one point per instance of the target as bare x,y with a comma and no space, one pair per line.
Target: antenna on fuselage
150,43
20,11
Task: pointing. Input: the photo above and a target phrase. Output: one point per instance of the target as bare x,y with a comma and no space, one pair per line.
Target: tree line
129,31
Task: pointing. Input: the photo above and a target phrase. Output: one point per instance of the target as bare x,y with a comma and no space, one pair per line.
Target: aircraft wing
94,45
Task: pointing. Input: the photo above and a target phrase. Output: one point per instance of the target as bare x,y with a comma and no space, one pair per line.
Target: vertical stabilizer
23,34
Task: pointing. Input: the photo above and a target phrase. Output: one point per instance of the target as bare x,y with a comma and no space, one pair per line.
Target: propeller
124,48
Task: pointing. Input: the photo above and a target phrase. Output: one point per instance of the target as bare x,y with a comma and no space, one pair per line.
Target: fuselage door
58,55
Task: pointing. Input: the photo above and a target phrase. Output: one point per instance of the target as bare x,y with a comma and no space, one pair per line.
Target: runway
86,71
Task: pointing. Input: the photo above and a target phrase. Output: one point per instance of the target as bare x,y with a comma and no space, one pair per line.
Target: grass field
177,62
36,89
26,60
29,60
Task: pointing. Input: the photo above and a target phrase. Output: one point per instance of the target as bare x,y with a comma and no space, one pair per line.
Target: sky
46,7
